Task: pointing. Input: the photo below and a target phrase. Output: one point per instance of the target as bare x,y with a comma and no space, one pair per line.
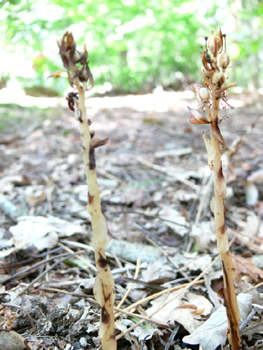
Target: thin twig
21,273
168,172
187,286
120,311
194,203
247,320
35,257
90,266
118,262
46,271
78,295
204,199
251,245
171,339
146,284
257,285
156,295
167,256
150,216
130,287
142,317
110,176
83,246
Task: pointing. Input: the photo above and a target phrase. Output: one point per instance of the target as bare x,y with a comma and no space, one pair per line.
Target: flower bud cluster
215,57
74,61
215,61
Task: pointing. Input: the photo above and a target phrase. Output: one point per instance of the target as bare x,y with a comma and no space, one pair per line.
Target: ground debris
155,190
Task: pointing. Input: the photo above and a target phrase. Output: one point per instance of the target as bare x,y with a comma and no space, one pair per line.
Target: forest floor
155,189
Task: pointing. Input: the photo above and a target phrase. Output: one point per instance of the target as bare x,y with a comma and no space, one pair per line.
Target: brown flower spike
80,77
74,61
215,61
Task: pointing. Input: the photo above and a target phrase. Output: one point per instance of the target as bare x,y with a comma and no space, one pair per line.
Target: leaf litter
153,181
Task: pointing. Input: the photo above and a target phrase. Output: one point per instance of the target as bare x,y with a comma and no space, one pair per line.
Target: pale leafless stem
79,76
213,69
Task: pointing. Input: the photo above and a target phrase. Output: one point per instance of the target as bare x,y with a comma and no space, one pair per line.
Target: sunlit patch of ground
161,101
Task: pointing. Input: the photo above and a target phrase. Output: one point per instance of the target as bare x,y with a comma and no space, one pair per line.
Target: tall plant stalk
80,78
215,61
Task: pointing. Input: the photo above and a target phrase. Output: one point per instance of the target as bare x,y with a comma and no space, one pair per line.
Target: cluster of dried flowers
80,78
215,61
74,61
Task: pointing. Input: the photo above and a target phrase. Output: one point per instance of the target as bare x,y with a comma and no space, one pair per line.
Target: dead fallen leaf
12,341
204,233
198,312
200,262
36,195
171,312
202,304
245,266
123,228
212,333
7,183
131,251
42,232
158,272
175,220
180,309
135,197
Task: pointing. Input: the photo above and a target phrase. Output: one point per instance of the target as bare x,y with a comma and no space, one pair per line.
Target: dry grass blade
89,265
120,311
130,287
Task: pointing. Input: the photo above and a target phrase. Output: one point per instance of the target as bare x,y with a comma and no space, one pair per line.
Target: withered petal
196,117
94,143
57,74
71,57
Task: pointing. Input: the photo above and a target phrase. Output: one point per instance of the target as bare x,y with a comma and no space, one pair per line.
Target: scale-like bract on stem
215,61
80,78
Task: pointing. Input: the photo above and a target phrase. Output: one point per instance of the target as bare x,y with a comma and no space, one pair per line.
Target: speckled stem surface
104,291
218,208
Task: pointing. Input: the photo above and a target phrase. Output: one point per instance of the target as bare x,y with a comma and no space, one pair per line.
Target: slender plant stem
104,284
218,207
80,77
215,61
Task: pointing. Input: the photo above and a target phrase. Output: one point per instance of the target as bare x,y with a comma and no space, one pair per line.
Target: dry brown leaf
172,312
212,332
245,266
187,306
198,312
12,341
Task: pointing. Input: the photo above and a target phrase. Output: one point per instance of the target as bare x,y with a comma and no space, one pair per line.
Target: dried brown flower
67,48
75,61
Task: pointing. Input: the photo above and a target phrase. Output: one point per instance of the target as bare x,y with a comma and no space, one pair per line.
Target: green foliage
250,43
129,46
133,44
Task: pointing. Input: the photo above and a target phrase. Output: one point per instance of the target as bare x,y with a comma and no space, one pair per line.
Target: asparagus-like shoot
215,61
80,78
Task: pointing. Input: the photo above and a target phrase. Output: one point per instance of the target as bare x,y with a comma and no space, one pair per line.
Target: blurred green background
134,45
